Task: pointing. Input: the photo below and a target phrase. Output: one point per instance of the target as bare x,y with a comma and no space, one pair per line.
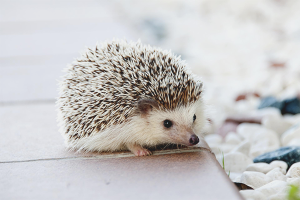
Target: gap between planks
119,155
27,102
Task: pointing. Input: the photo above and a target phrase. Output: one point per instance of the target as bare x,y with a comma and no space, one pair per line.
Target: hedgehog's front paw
138,150
143,152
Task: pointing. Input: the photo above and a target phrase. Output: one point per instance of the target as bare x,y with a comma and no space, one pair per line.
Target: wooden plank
61,26
58,43
29,83
194,175
48,10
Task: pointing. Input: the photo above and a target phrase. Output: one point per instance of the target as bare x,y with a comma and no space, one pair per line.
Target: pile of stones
261,148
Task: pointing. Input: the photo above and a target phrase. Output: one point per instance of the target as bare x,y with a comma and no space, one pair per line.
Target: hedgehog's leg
138,150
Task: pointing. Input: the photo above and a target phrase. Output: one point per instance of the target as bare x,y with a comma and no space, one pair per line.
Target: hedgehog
128,96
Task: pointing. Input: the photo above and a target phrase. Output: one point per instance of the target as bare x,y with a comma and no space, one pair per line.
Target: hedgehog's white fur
99,95
146,132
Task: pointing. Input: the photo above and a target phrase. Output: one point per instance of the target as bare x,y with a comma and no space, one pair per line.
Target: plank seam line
108,156
27,102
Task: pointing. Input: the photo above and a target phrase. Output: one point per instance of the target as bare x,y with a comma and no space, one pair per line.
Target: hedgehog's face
180,126
179,132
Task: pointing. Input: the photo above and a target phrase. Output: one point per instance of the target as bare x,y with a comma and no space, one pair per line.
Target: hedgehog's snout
194,139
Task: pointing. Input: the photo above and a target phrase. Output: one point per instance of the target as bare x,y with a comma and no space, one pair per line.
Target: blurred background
237,47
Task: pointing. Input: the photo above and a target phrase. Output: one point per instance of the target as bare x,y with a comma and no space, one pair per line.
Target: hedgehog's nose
194,139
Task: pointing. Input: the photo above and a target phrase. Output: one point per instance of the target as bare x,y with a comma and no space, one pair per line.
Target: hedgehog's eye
194,118
168,123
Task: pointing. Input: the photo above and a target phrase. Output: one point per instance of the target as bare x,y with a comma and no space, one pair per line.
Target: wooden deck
37,40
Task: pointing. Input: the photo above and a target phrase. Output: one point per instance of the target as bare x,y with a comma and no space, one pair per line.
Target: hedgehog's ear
144,106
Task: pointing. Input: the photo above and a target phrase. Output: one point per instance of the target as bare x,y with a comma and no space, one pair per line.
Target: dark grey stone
270,102
291,106
290,155
287,106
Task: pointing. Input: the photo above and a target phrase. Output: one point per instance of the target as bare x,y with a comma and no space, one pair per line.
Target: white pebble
274,188
293,181
291,134
259,167
226,148
246,106
294,171
265,168
293,119
243,147
246,130
235,177
276,174
252,195
232,138
215,149
213,139
276,123
281,164
255,179
262,139
279,196
268,111
235,162
294,142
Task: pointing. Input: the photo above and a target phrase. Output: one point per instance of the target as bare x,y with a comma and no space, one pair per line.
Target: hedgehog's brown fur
102,87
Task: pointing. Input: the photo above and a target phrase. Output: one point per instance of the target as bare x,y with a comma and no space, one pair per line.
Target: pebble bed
247,53
264,156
